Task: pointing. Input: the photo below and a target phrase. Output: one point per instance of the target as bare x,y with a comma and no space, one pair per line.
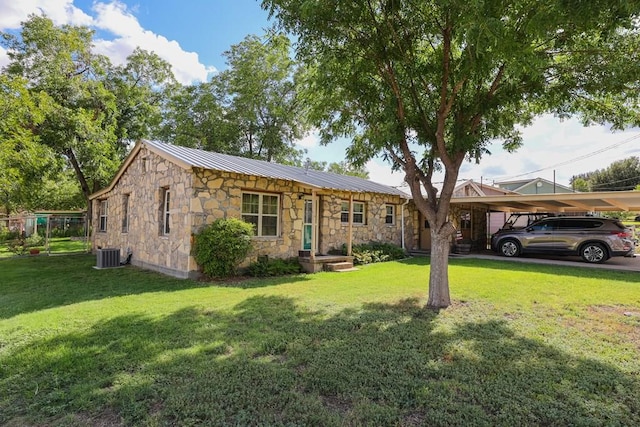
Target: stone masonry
200,196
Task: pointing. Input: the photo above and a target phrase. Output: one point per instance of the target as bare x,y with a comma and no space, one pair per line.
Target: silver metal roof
227,163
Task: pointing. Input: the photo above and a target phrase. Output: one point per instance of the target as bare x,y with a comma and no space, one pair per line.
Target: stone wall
219,195
143,181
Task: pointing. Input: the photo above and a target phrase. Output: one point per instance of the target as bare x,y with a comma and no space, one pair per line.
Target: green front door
307,227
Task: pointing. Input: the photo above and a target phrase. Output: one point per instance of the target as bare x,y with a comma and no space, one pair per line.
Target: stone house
163,194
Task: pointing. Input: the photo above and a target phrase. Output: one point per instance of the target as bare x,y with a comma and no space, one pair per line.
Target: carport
561,203
558,202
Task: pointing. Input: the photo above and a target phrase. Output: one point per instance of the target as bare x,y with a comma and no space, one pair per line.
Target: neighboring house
163,194
534,186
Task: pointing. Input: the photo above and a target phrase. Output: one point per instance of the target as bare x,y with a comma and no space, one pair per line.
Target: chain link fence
44,234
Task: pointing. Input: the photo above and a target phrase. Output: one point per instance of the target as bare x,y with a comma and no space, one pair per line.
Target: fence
44,234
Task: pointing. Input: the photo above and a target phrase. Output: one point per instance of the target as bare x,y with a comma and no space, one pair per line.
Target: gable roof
519,185
189,158
479,189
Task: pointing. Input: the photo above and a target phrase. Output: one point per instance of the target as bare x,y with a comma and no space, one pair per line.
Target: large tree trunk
439,271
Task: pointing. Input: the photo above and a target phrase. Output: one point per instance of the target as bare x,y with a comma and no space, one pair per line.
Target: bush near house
271,267
222,245
368,253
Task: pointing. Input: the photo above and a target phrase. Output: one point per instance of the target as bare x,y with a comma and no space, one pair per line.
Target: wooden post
313,225
350,228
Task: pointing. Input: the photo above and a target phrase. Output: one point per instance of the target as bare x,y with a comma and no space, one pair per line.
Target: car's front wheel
509,248
594,253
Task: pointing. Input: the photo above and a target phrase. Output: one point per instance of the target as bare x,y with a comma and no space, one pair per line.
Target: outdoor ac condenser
108,258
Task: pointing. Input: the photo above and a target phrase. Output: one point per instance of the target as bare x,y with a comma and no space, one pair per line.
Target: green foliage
74,108
367,253
251,109
21,245
6,234
220,246
621,175
270,267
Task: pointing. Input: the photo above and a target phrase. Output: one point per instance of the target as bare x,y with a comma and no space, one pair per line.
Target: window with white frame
262,210
125,213
165,222
103,215
358,212
390,214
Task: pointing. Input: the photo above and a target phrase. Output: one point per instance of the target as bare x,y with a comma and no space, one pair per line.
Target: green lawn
521,345
57,245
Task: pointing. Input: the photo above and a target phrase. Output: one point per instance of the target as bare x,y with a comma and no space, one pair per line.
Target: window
390,215
125,213
358,212
261,210
103,215
165,222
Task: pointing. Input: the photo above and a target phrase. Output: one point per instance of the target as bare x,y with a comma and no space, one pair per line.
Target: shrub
222,245
367,253
34,240
266,267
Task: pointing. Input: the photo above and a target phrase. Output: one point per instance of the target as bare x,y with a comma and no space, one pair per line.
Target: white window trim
363,213
260,215
392,214
166,213
103,215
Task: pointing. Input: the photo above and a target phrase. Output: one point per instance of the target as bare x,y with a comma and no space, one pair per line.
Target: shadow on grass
36,283
269,362
515,266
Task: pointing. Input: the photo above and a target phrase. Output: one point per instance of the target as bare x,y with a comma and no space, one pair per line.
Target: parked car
594,239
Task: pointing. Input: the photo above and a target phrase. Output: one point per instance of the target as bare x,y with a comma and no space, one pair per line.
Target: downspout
402,224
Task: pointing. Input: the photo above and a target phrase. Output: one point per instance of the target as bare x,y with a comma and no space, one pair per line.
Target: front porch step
339,266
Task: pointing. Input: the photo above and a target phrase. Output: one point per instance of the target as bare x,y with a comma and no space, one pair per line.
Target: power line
584,156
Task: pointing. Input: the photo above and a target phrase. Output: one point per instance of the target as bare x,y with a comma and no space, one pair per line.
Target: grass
57,245
521,345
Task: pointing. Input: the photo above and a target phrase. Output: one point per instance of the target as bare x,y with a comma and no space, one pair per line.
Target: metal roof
227,163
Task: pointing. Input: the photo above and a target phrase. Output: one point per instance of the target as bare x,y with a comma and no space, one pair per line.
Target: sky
192,35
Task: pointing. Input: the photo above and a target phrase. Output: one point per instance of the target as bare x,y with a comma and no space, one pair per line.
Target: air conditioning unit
108,258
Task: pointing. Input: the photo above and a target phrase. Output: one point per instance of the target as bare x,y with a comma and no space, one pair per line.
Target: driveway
615,263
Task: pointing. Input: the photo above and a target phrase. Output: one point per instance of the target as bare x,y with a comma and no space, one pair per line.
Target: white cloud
112,18
552,145
381,172
12,13
116,19
310,140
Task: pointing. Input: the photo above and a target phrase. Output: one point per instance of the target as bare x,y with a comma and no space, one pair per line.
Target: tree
93,109
140,87
430,83
80,124
618,176
195,116
24,162
261,98
346,168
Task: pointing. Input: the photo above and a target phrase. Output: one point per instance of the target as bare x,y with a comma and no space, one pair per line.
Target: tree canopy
429,84
76,107
618,176
251,109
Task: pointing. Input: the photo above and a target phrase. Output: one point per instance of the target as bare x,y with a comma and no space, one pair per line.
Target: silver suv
594,239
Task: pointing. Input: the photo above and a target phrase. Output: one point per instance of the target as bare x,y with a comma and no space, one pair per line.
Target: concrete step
339,266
